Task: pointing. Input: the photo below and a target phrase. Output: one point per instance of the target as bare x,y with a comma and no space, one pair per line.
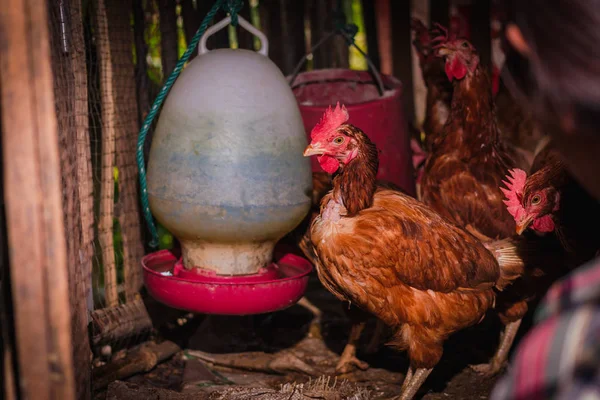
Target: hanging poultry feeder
374,102
226,176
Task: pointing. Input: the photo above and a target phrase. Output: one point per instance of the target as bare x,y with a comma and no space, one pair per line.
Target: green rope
232,7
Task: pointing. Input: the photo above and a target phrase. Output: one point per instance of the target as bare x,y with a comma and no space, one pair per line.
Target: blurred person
559,78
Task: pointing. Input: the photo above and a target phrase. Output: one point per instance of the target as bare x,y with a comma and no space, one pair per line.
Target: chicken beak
523,224
313,150
443,51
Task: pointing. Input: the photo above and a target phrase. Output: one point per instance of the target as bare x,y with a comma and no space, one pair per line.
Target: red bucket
381,117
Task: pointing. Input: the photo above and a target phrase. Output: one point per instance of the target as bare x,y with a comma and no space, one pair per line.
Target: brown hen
464,172
393,256
439,89
551,202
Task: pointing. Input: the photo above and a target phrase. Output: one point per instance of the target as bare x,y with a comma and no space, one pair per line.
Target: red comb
514,192
331,120
444,35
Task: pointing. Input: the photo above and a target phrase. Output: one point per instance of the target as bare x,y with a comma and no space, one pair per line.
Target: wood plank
168,34
107,187
33,202
384,36
334,53
126,134
370,18
71,95
283,22
439,11
141,66
481,34
402,52
191,22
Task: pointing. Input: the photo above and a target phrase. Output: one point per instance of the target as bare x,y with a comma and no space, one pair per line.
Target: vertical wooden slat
384,36
107,187
33,202
70,92
126,132
370,19
270,23
283,22
439,11
191,21
86,199
168,36
402,52
481,33
334,53
7,339
141,67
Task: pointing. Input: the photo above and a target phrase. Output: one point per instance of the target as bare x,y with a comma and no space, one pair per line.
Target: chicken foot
413,382
314,331
497,363
348,359
376,338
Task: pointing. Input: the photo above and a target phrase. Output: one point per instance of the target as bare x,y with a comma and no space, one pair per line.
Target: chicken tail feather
517,255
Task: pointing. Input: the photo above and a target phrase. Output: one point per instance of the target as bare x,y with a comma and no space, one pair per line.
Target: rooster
549,201
393,256
464,172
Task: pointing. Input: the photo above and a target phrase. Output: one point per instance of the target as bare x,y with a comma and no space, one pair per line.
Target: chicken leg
506,340
348,359
376,338
413,382
314,331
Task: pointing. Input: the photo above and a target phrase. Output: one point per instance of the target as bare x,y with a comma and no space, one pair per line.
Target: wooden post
481,33
439,11
141,67
384,36
370,19
107,188
283,23
191,22
32,180
334,53
71,97
168,36
402,52
126,133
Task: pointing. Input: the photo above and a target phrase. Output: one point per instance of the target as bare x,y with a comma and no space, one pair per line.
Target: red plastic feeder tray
274,288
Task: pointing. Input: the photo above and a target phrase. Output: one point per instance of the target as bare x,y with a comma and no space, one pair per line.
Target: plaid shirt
560,357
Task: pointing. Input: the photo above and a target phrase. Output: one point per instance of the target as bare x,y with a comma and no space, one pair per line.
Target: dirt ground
272,333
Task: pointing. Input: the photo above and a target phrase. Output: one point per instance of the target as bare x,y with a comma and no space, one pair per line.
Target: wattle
544,224
455,69
328,163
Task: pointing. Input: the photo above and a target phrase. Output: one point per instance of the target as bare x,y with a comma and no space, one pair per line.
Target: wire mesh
97,113
113,126
70,87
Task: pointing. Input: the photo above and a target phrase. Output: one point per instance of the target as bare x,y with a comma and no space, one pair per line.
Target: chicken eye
465,45
338,140
535,200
